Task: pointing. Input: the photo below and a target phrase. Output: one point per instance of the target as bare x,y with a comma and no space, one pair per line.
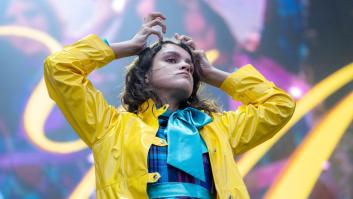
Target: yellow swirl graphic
298,178
85,188
315,96
39,104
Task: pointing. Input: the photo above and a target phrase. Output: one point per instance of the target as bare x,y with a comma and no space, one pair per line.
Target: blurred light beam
310,157
39,104
312,98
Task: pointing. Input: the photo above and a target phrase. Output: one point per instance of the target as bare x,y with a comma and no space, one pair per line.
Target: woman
166,142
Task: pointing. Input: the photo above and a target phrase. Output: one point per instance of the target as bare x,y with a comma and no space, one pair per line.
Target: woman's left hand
208,73
199,55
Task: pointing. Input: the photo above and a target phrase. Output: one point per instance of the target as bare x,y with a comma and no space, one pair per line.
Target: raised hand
138,42
208,73
147,29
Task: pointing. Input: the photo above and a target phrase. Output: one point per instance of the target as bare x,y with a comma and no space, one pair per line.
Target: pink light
326,165
296,92
118,5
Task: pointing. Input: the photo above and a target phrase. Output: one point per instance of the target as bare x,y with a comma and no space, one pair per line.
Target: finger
157,14
158,21
181,37
153,15
199,51
199,54
191,44
149,31
184,38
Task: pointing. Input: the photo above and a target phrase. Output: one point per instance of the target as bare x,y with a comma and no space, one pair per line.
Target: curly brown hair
137,91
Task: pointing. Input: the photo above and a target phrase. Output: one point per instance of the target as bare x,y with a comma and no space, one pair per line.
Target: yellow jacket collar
149,113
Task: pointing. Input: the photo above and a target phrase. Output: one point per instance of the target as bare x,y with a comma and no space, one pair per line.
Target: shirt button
230,197
214,150
162,141
155,176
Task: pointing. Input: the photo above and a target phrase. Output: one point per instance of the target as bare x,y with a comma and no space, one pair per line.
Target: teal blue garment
168,112
106,41
185,145
178,189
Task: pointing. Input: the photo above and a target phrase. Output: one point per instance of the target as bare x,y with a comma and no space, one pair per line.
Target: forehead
172,49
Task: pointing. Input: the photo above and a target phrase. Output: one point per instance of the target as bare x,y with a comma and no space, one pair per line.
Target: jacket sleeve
265,110
65,74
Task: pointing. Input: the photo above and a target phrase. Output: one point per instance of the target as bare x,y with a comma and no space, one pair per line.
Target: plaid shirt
157,162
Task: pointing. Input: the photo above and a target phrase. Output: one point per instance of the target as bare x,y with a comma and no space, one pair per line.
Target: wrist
124,49
214,76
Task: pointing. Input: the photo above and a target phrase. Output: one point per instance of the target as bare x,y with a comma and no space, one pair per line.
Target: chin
179,89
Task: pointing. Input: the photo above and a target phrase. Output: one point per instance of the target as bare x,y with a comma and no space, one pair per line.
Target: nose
186,67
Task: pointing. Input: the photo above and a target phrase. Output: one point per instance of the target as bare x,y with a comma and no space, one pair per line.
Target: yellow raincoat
120,140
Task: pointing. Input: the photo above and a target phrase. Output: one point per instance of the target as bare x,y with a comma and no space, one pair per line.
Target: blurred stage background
296,44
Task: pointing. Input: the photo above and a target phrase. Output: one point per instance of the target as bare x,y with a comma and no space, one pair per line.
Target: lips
185,74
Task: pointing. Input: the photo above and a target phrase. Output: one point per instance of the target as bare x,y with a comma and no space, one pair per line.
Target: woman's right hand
138,42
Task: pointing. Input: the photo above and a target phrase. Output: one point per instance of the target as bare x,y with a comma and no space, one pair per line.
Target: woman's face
171,72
